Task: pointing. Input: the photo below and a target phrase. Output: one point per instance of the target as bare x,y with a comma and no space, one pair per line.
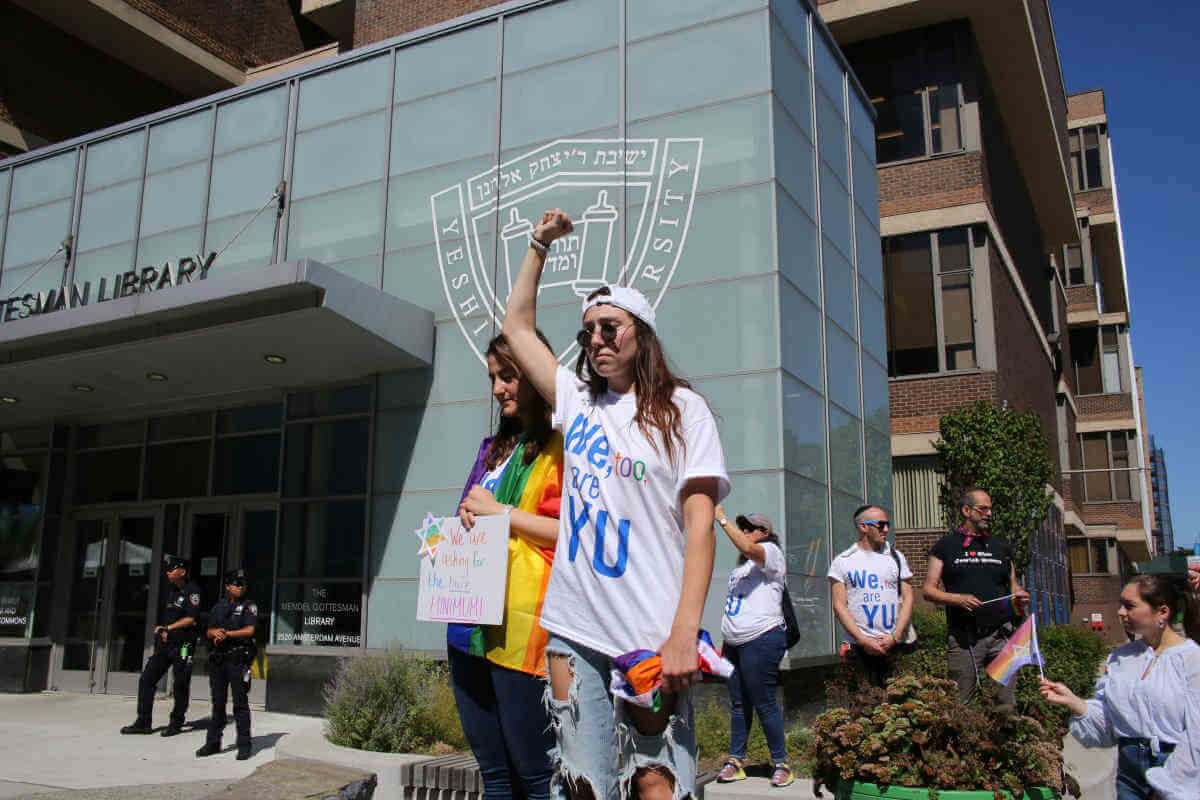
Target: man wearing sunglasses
976,572
231,632
872,597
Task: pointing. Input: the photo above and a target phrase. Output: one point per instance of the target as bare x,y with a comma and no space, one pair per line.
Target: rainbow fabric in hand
637,675
1022,649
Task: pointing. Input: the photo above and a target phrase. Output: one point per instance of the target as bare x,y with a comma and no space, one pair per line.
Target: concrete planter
861,790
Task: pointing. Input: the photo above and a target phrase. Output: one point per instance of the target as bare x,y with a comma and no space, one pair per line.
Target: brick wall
1097,201
1105,406
49,80
918,403
1099,594
1025,376
1081,298
915,546
1123,514
933,183
1085,104
246,33
375,20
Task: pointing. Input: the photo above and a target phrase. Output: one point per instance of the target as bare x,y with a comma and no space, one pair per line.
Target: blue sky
1147,61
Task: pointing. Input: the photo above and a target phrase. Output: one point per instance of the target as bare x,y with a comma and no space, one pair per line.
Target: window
915,487
913,82
1073,259
929,302
1096,359
1108,466
1086,169
1078,553
1089,556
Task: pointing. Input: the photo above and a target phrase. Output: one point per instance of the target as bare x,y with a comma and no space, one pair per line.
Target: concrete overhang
1135,542
1025,75
1085,425
117,28
209,338
335,17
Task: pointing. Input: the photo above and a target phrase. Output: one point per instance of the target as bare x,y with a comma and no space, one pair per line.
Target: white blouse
1164,706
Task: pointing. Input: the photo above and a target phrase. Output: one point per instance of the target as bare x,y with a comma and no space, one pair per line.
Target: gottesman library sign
124,284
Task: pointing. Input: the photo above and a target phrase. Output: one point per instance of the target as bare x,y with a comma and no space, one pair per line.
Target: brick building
995,191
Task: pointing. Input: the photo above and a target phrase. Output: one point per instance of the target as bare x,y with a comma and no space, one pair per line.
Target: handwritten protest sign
463,571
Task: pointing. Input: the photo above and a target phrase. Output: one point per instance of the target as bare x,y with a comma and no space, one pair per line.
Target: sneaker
209,749
732,771
782,776
138,727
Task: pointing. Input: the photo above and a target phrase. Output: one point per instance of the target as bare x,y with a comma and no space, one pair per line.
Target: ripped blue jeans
596,742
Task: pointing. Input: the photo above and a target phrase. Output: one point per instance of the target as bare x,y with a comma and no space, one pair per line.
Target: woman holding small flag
1148,702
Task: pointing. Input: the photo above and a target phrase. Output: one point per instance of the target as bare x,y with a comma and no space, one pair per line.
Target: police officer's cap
175,562
236,576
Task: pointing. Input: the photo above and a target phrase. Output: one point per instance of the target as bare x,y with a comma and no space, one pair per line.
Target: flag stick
1037,649
997,599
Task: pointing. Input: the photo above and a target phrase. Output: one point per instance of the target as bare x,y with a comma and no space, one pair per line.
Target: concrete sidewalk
1094,769
59,740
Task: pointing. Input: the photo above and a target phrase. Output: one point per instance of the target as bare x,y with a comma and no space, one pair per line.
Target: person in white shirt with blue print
1148,702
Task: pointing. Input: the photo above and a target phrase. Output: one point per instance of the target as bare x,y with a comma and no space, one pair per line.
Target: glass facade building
718,156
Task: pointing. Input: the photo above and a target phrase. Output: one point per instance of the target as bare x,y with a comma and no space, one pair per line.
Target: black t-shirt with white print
982,568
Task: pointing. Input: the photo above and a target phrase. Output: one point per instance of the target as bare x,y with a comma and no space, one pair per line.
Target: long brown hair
511,428
654,385
1171,591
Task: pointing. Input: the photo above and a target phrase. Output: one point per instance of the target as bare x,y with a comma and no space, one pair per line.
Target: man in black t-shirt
975,566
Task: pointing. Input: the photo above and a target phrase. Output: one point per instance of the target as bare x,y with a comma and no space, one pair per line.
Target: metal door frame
96,680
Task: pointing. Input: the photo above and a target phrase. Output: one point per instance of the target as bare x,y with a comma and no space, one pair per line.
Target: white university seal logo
586,177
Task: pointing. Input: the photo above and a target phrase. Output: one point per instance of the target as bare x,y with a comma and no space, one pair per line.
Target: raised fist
554,224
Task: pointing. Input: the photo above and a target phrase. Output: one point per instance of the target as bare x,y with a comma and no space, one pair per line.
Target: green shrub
391,702
712,741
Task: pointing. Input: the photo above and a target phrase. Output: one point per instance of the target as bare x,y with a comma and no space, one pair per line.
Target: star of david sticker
430,534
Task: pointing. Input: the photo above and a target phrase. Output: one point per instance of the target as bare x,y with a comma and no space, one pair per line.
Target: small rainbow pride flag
1022,649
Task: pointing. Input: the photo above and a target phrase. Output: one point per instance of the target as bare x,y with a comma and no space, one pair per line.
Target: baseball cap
628,299
756,520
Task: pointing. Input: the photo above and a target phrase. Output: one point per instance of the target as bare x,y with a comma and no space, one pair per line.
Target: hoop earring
1162,623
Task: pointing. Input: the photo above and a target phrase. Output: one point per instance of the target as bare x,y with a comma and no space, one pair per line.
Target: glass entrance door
113,589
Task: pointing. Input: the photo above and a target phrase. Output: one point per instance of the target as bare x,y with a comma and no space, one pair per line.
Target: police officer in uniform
174,646
231,631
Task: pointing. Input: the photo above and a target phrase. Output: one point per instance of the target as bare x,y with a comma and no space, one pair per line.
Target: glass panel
954,250
1120,463
322,540
16,609
360,145
1074,262
180,141
843,369
174,199
462,57
108,215
1091,154
527,96
798,248
1095,456
831,136
249,120
258,559
107,476
800,335
253,246
86,576
559,31
337,226
43,611
345,91
803,429
247,464
127,642
181,426
319,614
177,470
828,69
250,418
646,19
447,127
111,434
1076,162
208,554
879,467
1085,355
792,85
698,66
866,184
942,86
875,394
807,527
872,330
862,127
892,80
34,236
42,181
1100,552
958,321
22,504
1077,550
912,329
169,246
835,212
244,181
326,458
845,452
794,159
115,159
839,288
330,402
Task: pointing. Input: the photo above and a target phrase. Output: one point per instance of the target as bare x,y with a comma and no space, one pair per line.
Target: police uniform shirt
183,602
233,617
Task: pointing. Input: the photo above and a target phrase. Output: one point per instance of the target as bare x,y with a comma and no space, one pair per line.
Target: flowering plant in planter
917,733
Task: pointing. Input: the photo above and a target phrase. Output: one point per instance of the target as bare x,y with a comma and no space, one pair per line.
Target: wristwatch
723,522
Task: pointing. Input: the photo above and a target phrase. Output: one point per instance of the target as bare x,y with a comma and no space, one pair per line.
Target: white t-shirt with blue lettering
618,564
872,587
754,605
491,479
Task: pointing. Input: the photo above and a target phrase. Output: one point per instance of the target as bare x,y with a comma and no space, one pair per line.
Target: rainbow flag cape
1022,649
519,642
637,675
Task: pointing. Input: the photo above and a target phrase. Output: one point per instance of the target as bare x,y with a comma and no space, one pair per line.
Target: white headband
629,299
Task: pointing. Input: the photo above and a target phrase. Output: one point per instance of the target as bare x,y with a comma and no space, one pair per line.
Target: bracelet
541,247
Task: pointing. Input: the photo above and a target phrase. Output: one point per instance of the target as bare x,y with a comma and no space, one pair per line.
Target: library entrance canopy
292,324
